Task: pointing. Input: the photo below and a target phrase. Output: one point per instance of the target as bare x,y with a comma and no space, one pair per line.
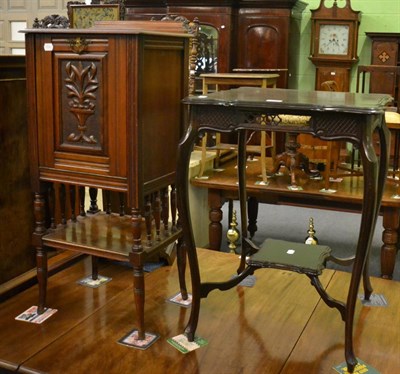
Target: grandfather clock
334,37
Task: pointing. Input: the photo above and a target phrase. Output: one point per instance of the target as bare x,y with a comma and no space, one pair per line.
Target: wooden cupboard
105,112
251,34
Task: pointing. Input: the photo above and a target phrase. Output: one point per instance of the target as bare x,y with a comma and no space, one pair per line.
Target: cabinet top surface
383,35
288,99
107,31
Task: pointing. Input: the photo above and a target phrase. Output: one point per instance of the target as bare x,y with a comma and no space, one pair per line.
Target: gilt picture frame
84,16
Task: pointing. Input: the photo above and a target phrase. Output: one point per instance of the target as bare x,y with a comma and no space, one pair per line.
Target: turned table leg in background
215,202
390,241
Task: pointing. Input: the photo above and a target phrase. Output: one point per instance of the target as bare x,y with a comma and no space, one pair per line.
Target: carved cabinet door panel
78,127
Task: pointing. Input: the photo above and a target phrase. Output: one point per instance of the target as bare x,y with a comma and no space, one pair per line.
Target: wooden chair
319,151
393,123
379,79
383,79
266,141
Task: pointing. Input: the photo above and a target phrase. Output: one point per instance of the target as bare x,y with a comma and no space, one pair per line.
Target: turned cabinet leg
61,198
390,241
95,267
137,259
121,198
72,199
107,201
41,264
148,219
51,200
139,291
41,254
165,208
81,191
93,200
157,215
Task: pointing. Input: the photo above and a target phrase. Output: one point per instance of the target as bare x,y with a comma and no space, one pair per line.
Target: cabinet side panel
163,85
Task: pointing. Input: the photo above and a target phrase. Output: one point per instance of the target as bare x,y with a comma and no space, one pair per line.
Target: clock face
333,39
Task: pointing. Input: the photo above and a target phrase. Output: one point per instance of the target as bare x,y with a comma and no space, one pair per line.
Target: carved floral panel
81,90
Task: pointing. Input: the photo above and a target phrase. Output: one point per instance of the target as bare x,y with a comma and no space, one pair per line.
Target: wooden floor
278,326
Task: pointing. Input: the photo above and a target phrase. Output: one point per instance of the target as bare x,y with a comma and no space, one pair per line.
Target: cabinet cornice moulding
214,3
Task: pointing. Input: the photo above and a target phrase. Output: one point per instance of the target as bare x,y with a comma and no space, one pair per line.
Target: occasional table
327,115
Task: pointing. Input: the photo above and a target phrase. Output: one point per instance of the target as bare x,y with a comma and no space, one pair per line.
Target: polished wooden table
221,185
326,115
393,123
239,79
281,71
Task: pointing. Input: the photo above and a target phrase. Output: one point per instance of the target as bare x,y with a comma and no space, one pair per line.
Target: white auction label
48,47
